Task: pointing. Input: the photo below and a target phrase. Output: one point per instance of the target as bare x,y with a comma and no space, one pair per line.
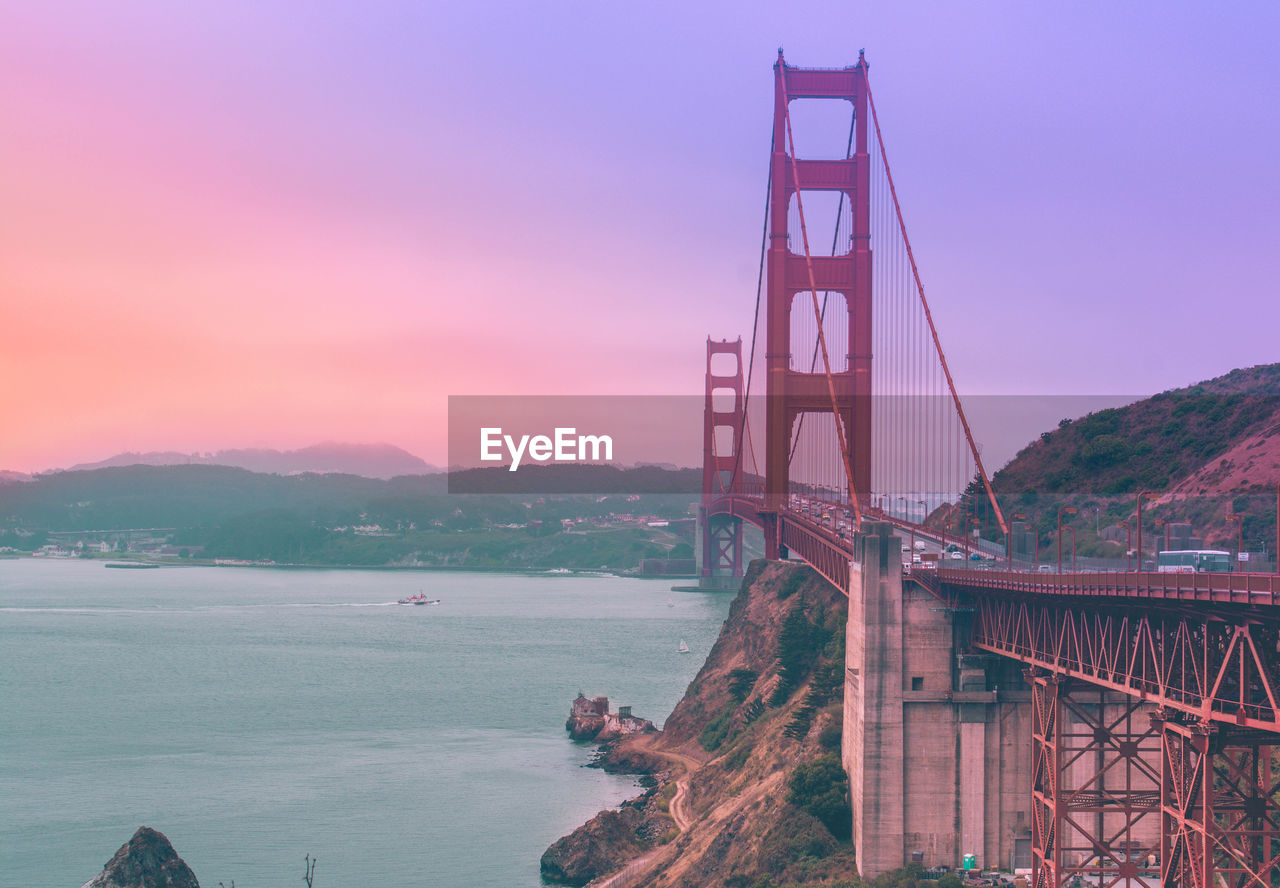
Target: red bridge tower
791,392
722,465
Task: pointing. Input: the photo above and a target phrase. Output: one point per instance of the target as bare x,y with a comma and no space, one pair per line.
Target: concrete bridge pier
936,736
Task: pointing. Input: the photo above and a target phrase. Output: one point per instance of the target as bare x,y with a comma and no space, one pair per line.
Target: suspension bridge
1098,728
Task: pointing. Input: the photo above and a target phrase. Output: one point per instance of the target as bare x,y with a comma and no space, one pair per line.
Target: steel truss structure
1220,804
1215,664
1095,791
1181,702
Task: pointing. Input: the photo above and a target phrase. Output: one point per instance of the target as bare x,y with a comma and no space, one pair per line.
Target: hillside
750,790
1204,452
337,519
182,496
1159,442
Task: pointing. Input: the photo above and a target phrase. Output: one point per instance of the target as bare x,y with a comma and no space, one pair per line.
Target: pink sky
275,224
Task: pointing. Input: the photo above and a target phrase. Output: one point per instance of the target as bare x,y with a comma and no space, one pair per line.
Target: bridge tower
721,534
791,392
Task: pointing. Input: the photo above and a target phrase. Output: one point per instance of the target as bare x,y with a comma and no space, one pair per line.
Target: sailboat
683,649
670,603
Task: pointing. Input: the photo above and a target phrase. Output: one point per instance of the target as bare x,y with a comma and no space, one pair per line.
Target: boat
683,649
131,565
420,598
670,603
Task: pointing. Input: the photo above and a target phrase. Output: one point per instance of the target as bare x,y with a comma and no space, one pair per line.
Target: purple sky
326,218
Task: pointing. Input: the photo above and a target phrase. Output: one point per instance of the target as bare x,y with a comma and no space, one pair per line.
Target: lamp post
1160,522
1128,543
1070,510
969,523
904,507
913,533
1073,547
1148,495
1017,516
1239,533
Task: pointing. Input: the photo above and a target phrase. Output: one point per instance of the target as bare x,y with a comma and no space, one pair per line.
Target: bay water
256,715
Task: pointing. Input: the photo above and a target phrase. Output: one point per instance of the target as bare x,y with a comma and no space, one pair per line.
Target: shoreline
551,572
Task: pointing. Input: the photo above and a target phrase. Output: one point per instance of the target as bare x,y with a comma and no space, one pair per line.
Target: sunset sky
244,224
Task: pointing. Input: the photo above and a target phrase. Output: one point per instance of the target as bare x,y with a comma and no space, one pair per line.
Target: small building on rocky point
590,719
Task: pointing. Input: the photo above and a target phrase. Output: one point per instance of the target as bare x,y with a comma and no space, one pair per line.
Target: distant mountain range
366,460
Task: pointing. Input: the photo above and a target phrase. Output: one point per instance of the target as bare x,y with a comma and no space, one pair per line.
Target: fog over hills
367,460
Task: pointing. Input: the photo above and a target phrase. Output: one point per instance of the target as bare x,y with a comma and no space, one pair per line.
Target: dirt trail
678,807
629,874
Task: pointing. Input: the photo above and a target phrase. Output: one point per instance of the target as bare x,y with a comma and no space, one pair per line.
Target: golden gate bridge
1152,705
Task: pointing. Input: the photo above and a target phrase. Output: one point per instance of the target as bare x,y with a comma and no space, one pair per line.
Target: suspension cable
933,330
755,325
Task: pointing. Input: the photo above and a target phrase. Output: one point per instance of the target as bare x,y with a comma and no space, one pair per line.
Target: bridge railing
1223,588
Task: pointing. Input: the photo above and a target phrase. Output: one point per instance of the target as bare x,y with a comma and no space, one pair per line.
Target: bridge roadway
1205,645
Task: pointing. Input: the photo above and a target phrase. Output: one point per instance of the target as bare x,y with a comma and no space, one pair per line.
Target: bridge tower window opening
724,400
822,129
828,215
805,356
724,365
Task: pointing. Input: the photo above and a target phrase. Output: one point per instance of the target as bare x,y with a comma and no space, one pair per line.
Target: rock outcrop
599,846
145,861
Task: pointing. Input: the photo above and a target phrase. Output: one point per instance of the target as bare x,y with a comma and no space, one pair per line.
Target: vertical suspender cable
973,447
755,326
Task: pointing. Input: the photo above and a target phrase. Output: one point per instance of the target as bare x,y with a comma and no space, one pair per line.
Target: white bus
1194,561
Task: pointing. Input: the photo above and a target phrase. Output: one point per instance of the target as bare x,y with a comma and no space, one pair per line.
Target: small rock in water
145,861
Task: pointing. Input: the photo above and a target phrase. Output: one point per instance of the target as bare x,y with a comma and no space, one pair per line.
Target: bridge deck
824,546
1254,589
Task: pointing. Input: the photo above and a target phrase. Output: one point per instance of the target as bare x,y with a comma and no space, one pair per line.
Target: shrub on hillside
799,643
791,585
821,788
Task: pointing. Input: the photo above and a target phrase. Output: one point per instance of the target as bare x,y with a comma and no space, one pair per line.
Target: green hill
1203,453
351,520
1152,444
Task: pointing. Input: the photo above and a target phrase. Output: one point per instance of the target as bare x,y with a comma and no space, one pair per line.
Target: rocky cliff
749,789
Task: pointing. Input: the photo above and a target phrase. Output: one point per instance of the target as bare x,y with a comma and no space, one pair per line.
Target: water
257,715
